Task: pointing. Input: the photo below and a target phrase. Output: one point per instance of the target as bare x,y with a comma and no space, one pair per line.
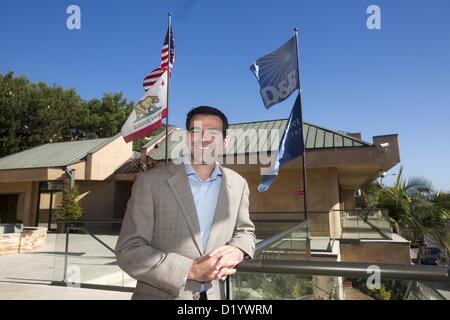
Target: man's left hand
228,257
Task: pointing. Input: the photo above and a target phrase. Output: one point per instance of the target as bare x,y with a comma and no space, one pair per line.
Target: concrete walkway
16,291
29,276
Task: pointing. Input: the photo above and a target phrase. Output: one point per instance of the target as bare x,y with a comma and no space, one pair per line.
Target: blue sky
393,80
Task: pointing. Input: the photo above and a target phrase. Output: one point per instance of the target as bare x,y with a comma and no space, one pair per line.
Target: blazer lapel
221,213
180,186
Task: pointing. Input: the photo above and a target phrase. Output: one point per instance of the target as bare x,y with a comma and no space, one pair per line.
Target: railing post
357,225
66,252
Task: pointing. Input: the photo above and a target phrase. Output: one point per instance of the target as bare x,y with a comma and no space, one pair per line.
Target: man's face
206,140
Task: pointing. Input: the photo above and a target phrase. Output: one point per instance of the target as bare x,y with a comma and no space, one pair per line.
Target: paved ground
29,276
16,291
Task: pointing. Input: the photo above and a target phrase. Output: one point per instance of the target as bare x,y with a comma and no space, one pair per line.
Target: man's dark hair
208,111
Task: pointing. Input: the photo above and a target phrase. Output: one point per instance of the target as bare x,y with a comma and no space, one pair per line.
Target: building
338,165
31,181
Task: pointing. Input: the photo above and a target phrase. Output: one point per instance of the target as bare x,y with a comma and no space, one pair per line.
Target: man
187,225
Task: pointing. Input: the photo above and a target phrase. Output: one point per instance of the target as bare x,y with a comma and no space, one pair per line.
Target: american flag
155,74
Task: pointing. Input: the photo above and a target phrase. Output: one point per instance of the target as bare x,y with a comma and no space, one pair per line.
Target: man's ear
225,143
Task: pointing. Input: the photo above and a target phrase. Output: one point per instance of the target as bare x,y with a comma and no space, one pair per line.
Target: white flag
148,113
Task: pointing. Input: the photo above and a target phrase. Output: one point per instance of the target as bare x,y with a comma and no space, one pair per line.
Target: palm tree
415,211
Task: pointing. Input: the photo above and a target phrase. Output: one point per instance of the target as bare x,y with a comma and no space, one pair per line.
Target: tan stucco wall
281,197
27,201
376,252
348,199
97,199
323,198
102,163
26,175
323,188
80,170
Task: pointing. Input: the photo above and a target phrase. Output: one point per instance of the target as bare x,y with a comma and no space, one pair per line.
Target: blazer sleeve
244,229
134,253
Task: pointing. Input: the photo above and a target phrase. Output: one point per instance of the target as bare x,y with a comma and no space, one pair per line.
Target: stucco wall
97,199
27,201
376,252
323,198
102,163
348,199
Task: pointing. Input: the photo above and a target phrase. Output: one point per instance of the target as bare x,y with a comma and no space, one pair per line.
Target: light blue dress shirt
206,194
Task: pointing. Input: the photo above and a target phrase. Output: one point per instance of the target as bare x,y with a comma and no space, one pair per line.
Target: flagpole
168,82
301,119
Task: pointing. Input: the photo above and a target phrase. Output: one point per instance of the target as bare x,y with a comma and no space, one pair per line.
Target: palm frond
418,185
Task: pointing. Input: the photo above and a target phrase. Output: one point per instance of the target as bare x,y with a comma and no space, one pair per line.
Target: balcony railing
284,267
293,276
335,224
365,224
85,255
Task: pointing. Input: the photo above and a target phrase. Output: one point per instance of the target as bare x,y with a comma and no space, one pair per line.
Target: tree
70,207
33,114
106,116
415,208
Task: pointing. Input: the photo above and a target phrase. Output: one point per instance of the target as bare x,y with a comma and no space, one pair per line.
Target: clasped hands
216,265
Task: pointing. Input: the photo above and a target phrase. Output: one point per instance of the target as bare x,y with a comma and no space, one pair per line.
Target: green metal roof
131,166
54,155
245,140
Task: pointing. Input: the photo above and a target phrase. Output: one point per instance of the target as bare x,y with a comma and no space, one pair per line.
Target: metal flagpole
168,81
301,119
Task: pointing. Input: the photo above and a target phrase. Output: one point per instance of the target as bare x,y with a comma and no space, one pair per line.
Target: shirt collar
190,170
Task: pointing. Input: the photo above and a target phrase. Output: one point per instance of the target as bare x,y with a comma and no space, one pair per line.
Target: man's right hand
205,269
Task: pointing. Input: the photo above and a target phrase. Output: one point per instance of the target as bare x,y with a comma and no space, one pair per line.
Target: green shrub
70,207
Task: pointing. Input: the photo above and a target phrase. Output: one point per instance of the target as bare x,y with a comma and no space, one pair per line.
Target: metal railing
365,224
78,225
348,269
262,265
354,224
277,237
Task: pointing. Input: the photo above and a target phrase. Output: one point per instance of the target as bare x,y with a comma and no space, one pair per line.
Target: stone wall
30,239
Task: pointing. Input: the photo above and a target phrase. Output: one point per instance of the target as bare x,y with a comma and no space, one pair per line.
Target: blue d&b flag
277,73
291,146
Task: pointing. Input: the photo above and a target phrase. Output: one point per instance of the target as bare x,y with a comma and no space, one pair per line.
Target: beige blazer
160,236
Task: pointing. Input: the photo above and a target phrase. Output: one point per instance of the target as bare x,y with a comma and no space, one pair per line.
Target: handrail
93,236
318,211
332,268
64,222
360,210
348,269
263,245
66,252
269,241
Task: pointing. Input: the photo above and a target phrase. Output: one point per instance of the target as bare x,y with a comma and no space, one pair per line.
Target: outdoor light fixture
383,175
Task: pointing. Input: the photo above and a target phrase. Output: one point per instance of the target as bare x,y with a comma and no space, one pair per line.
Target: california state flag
148,113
